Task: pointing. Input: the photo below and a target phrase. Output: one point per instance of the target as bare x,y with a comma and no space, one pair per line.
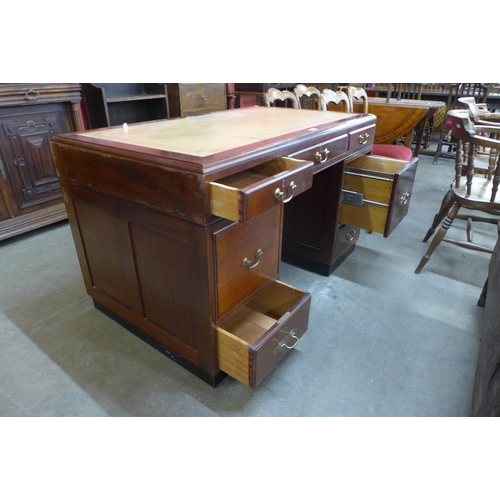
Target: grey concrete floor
382,341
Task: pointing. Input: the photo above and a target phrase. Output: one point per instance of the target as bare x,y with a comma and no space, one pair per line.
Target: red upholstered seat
393,151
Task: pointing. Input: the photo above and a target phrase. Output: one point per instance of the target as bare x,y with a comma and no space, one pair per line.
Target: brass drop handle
322,156
205,97
283,343
248,263
363,138
350,235
278,194
403,199
32,95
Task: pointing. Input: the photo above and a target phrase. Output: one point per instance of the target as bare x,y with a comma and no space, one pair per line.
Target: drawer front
247,194
202,98
324,154
246,257
361,138
376,193
347,237
254,340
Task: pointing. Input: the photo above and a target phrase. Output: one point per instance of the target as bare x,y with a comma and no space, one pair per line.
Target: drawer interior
273,168
270,305
244,195
252,340
376,165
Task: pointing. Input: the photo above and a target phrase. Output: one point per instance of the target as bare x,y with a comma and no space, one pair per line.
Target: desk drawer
246,257
361,138
253,340
325,153
247,194
376,193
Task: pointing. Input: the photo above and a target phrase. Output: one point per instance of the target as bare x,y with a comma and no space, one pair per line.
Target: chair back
285,96
359,94
337,98
465,132
404,91
302,92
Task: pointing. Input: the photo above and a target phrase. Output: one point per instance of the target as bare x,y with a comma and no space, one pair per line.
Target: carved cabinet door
28,166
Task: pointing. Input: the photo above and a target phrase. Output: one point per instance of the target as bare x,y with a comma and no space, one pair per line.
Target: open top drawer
376,192
244,195
251,342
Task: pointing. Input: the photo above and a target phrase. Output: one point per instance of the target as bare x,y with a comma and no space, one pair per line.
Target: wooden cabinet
178,226
108,104
30,115
188,99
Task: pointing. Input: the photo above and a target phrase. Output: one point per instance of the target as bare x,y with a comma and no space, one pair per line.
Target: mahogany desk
398,118
178,227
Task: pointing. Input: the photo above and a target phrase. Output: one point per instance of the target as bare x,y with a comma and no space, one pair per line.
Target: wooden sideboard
30,114
178,226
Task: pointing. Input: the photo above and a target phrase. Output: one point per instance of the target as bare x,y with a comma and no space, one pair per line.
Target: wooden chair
479,91
331,98
477,193
390,150
307,95
273,95
479,111
404,91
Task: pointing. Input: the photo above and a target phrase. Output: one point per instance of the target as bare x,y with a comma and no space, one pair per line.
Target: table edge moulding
180,226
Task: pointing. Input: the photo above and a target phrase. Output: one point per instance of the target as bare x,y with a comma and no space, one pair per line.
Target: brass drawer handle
363,138
322,156
205,97
278,194
248,263
32,95
350,235
292,334
403,199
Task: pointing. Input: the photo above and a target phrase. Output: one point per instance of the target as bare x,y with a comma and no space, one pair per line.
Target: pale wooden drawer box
376,192
251,342
247,194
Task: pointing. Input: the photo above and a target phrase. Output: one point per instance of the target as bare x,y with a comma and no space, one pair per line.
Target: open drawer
376,192
244,195
252,341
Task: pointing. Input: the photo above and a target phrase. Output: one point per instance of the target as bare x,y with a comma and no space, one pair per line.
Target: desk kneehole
252,341
376,192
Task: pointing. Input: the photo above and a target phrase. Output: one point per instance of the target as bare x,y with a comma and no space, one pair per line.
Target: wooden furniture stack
30,115
180,227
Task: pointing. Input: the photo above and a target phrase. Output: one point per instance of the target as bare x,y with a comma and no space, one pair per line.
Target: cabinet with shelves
109,104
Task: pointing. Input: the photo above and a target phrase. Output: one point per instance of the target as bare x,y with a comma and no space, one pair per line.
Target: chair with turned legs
477,193
396,151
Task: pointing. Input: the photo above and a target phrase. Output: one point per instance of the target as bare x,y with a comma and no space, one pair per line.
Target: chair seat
480,193
393,151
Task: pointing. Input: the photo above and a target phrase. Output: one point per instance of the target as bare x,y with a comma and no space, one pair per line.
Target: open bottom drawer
244,195
376,192
252,341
